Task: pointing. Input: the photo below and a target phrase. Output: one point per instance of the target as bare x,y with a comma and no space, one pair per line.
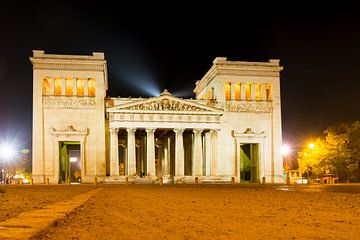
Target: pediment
164,103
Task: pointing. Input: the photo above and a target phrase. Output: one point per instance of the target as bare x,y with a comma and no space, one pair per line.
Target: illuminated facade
232,130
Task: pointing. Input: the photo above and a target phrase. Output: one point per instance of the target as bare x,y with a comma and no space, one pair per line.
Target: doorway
249,162
69,162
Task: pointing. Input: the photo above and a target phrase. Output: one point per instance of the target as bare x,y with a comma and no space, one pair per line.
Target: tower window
237,91
57,87
268,91
227,91
46,87
91,87
80,87
68,87
248,91
258,92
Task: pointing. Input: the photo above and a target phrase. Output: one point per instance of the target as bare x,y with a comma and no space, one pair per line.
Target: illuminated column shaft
213,152
52,85
232,91
86,88
114,152
131,152
74,87
253,91
263,91
179,152
63,87
150,152
198,158
242,91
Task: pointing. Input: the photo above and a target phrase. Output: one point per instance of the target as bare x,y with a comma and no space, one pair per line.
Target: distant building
231,129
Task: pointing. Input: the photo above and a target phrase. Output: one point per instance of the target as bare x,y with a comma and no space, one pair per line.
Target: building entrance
69,162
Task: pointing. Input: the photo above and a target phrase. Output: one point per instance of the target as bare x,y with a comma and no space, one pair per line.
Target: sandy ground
203,212
22,198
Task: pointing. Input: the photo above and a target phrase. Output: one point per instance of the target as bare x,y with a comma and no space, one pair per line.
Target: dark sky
152,47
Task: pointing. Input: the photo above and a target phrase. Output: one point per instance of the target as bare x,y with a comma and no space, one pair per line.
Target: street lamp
7,152
311,145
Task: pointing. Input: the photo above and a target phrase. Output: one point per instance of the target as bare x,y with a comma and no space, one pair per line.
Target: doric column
179,152
150,152
198,159
253,91
52,85
131,151
232,91
242,91
63,87
213,152
263,91
114,152
74,87
207,153
86,88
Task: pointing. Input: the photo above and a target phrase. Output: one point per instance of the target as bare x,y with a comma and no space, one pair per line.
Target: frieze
255,107
69,102
166,105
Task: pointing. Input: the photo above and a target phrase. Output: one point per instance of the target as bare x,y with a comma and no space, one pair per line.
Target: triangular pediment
165,103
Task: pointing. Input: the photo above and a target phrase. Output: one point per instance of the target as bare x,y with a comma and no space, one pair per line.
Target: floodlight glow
312,145
285,149
73,159
6,151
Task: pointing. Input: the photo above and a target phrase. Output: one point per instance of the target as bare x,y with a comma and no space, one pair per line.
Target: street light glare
6,151
285,149
311,145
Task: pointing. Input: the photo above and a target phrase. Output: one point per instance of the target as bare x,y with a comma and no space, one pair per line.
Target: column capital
114,130
179,130
198,130
150,130
131,130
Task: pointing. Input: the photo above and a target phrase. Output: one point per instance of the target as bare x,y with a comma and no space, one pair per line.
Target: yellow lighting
57,87
227,91
68,87
91,87
268,91
46,87
80,87
258,92
237,91
311,145
248,91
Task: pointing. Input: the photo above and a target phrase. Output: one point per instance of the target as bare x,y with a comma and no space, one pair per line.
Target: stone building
231,129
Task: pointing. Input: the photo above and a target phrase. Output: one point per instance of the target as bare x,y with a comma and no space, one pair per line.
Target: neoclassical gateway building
231,129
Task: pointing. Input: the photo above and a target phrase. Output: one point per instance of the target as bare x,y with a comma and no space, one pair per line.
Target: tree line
336,152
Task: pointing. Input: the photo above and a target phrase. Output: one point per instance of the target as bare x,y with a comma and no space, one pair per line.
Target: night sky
149,48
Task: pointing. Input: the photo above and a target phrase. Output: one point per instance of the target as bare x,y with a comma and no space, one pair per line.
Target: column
114,152
74,87
197,153
263,91
131,152
150,152
52,85
213,152
86,91
207,154
242,91
232,91
253,91
63,87
179,152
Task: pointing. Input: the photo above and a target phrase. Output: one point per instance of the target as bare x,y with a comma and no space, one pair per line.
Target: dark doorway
69,162
249,159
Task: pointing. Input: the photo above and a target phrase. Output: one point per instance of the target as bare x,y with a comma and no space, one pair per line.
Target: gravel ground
202,212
